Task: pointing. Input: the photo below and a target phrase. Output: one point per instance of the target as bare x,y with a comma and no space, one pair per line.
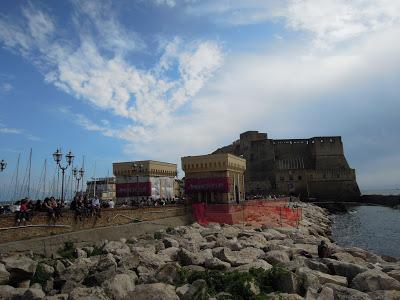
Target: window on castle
299,178
282,178
337,175
324,176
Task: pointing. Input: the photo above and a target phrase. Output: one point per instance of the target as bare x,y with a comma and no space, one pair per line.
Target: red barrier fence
254,212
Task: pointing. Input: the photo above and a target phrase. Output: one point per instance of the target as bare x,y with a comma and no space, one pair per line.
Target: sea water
374,228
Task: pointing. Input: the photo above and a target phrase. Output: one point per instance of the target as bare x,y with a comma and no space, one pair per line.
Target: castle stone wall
315,167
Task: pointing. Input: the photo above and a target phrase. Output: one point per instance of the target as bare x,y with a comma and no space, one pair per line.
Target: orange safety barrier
254,212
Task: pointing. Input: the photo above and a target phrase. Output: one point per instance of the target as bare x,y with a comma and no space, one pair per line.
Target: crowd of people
25,209
149,201
82,206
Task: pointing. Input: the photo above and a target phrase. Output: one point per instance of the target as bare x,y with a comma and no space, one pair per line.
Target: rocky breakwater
206,262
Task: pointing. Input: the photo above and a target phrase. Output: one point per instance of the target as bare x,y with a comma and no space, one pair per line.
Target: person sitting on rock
324,251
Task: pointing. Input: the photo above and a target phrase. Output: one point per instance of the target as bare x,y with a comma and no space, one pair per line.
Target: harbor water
374,228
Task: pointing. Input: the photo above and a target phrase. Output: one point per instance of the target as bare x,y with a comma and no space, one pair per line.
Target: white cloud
98,19
170,3
6,130
328,21
333,21
6,87
147,97
10,130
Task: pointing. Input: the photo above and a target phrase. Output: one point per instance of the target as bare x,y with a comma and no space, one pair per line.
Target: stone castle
312,168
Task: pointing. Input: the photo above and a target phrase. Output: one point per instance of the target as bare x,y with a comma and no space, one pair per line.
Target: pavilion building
214,178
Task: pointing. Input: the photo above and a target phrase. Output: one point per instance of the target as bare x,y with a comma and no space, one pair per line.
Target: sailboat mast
45,176
94,177
29,172
83,175
16,178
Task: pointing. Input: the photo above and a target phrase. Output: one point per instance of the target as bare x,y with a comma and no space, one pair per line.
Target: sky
161,79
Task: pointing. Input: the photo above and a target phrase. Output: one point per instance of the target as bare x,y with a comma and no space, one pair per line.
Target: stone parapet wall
39,225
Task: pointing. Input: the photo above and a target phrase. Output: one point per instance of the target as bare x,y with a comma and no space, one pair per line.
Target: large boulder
80,253
373,280
97,278
189,245
315,265
387,295
94,293
189,258
47,268
229,231
298,248
247,255
272,234
170,242
341,292
225,254
394,274
128,262
192,268
326,278
117,248
257,264
59,267
325,293
283,296
193,234
216,264
20,267
347,257
31,294
288,282
345,269
169,254
6,292
76,273
57,297
4,275
119,286
256,240
365,255
154,291
276,257
182,290
195,291
149,260
69,286
169,273
106,262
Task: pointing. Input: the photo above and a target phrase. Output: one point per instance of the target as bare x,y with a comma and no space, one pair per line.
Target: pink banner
133,189
207,185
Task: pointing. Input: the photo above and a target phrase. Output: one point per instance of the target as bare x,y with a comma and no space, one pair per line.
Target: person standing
111,203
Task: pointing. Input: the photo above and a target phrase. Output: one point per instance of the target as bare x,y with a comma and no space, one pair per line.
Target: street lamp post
57,158
3,165
137,168
75,172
